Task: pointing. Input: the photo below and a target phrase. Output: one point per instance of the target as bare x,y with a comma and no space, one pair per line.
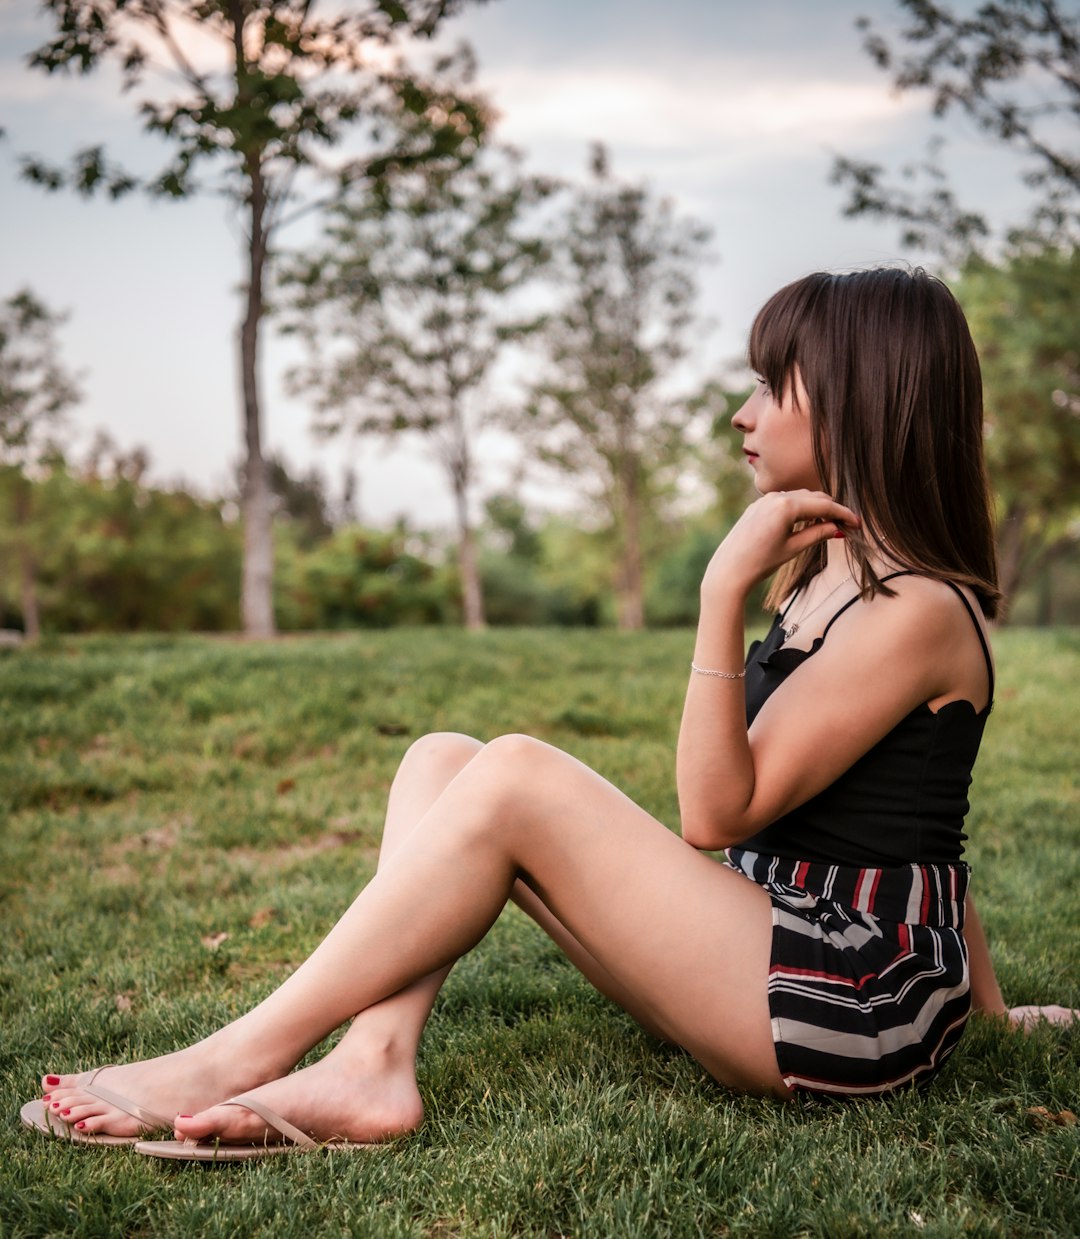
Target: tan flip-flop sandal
216,1151
36,1115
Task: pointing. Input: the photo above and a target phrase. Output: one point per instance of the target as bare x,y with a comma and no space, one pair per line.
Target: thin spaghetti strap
978,632
791,602
967,607
852,601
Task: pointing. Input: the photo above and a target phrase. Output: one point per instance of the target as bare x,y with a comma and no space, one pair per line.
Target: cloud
646,110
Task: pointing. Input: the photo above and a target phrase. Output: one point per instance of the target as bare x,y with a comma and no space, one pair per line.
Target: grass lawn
157,793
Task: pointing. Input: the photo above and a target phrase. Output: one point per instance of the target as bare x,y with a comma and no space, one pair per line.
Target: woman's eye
764,385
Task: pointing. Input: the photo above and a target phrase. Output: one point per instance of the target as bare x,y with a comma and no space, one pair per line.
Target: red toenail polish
47,1097
53,1080
80,1126
65,1111
185,1116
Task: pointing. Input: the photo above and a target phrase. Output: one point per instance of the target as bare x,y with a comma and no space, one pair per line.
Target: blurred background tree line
450,295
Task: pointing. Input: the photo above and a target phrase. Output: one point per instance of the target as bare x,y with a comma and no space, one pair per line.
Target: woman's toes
51,1083
94,1124
76,1114
223,1122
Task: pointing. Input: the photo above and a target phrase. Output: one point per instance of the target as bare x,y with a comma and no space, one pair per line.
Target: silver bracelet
720,675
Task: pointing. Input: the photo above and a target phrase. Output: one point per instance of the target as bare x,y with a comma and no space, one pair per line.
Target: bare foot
165,1086
330,1100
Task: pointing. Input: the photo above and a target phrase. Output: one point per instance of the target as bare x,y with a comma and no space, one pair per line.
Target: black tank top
902,802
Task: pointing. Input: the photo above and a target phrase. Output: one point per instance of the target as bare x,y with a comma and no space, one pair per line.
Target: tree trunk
31,614
457,459
630,592
257,590
257,596
1044,615
1011,548
472,594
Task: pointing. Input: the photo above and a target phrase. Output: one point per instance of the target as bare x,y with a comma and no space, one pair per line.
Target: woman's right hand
772,530
1029,1018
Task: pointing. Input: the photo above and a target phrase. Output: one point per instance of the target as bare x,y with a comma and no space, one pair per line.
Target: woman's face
776,438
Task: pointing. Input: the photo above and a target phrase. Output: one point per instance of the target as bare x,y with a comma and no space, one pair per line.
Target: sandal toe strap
273,1120
154,1121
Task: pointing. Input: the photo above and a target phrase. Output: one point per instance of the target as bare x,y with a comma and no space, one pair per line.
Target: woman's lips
751,457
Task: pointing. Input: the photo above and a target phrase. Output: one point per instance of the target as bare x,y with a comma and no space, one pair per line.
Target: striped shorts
868,980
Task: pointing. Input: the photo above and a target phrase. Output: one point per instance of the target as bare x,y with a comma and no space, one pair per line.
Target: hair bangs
776,338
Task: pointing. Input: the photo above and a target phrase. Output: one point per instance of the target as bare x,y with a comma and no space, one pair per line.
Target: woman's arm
762,539
986,996
732,782
985,992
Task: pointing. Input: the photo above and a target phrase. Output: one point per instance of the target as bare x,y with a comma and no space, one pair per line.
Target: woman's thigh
688,937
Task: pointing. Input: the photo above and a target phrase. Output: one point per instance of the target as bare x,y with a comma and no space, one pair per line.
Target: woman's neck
838,564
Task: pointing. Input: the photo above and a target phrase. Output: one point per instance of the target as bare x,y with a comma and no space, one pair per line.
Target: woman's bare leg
688,937
382,1041
377,1053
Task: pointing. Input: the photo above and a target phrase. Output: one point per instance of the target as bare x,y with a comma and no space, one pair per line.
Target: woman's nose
742,418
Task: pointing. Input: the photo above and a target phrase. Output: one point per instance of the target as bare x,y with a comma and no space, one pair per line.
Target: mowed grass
159,793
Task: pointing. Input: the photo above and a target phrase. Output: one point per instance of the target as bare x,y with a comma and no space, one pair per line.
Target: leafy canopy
1012,68
261,85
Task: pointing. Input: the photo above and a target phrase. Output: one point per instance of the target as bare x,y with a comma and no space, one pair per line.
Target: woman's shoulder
936,623
930,600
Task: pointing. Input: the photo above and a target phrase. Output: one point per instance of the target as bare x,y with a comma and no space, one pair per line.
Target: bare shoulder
926,621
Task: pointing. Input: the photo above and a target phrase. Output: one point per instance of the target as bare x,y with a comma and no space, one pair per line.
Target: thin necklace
791,629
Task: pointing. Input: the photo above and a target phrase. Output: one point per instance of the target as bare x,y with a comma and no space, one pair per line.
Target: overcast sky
734,110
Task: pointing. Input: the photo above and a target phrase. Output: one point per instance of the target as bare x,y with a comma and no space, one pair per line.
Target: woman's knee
512,770
440,755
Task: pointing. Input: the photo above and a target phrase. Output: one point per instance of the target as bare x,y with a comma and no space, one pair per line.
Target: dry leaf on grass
213,941
286,785
123,1002
263,917
160,838
1040,1117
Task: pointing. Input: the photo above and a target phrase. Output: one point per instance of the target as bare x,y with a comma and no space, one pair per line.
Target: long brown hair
895,394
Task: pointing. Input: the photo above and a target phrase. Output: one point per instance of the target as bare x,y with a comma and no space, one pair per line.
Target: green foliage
1025,318
359,578
114,554
35,387
1013,69
284,87
261,112
540,575
117,555
36,390
299,501
408,308
604,410
157,791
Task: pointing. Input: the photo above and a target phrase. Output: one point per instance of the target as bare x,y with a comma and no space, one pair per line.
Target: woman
830,952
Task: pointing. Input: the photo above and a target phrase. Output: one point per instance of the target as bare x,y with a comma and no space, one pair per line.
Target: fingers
811,517
1028,1018
814,505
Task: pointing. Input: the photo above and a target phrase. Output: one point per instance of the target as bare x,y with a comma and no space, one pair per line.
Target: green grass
156,791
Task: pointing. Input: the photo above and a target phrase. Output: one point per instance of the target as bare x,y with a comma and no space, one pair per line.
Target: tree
408,308
1025,317
282,88
35,391
605,410
1013,68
